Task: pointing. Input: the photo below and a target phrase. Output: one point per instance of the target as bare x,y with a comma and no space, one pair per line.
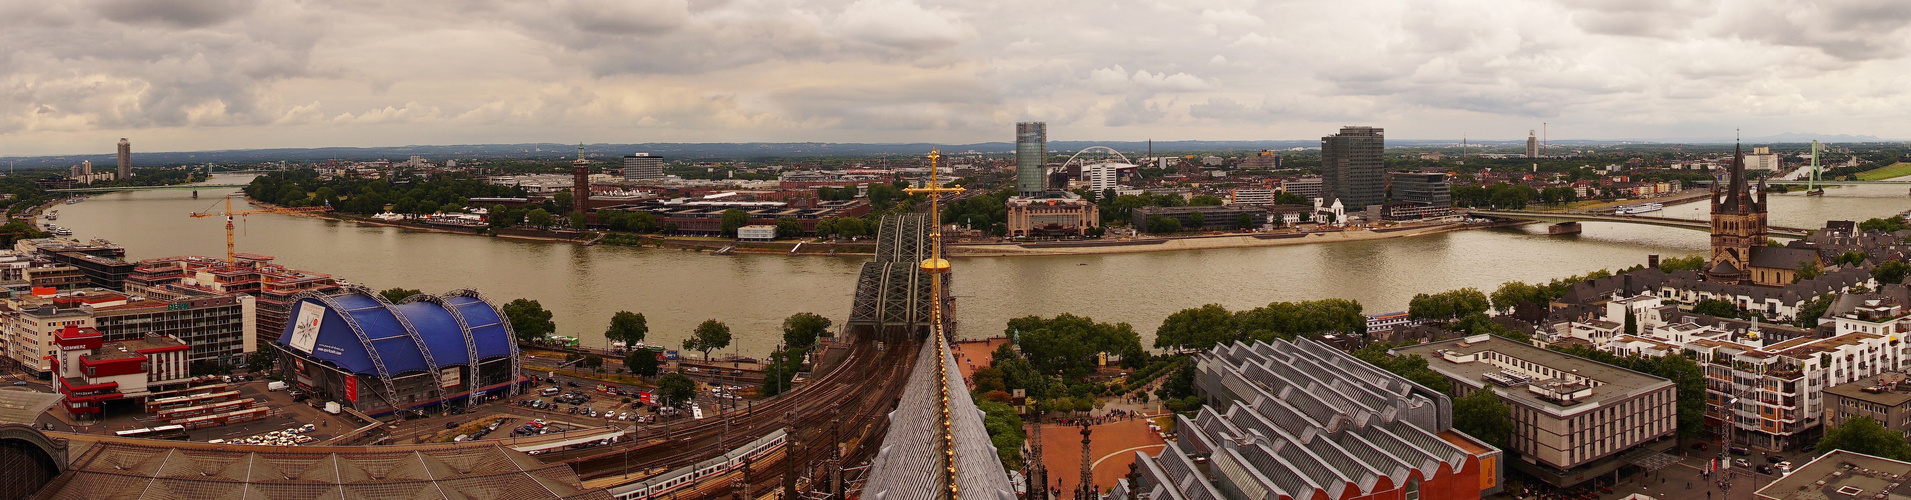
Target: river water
676,290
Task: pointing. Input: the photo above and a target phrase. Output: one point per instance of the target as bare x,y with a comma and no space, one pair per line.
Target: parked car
1742,463
1764,469
1740,451
1774,459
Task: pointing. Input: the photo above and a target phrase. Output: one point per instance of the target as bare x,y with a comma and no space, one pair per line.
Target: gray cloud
300,73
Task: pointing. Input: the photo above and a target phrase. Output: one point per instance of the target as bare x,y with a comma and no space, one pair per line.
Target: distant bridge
1838,183
1699,225
145,188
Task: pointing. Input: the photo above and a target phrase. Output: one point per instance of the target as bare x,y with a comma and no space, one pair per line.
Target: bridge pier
1563,228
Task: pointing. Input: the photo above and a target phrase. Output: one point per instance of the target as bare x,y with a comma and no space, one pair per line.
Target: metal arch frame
510,335
470,345
384,375
431,364
1071,158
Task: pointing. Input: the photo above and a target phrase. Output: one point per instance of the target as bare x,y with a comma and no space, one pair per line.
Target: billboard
305,330
450,377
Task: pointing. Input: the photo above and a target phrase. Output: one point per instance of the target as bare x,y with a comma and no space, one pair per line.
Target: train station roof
23,406
158,471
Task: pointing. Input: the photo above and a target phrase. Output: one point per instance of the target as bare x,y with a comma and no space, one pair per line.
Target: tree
1158,224
529,319
1069,345
562,201
538,217
393,295
1715,307
1482,415
733,219
1863,435
1811,310
642,362
1808,270
628,327
800,330
1447,305
677,390
593,362
781,372
1687,263
1513,293
1197,221
577,220
1632,322
1890,224
1005,430
1244,221
1412,366
1890,272
709,336
1199,328
261,360
788,227
1205,201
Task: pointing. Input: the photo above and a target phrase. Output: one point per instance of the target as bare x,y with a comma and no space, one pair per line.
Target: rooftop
1472,360
1842,474
1890,389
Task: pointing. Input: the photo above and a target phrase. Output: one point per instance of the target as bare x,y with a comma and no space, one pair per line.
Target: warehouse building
380,358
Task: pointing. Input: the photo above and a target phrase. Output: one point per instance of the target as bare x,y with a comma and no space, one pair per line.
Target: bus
167,432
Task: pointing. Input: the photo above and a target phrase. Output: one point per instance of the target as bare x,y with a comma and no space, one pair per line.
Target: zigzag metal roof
1300,417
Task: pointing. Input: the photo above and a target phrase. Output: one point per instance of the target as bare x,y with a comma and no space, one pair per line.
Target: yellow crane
230,214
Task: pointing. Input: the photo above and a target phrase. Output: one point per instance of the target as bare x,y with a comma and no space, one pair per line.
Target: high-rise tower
125,158
1352,168
1532,144
1738,225
1031,150
580,182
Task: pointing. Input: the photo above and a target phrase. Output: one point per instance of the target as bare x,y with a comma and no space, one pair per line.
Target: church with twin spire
1740,253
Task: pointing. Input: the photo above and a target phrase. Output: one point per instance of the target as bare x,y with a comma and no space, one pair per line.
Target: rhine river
676,290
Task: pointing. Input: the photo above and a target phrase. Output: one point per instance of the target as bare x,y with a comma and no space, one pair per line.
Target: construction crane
229,215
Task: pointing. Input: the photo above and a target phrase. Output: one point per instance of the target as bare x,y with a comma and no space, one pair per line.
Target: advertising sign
306,329
647,398
451,377
351,389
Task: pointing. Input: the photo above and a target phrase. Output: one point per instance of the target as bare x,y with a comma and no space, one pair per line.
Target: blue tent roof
336,341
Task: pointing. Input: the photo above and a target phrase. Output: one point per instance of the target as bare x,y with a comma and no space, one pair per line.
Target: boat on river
1639,209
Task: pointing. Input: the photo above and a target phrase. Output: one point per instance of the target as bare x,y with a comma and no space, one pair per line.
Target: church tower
1738,225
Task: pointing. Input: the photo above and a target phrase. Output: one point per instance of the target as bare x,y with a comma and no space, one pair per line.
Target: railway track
859,387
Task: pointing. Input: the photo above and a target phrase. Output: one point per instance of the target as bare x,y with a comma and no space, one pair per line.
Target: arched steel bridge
1694,224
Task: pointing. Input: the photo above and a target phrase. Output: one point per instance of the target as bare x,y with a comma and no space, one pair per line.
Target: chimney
1652,261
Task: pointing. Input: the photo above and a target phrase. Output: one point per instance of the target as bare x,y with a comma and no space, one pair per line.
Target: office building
125,158
219,326
1573,418
1885,397
93,372
1764,159
381,358
1532,144
1104,176
1211,218
1053,213
643,167
1352,168
1304,420
1031,151
1424,188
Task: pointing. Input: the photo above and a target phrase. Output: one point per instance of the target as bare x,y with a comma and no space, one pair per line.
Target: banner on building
449,377
305,331
351,388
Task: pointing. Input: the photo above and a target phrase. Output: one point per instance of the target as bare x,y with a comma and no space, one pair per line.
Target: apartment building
219,327
1573,418
273,286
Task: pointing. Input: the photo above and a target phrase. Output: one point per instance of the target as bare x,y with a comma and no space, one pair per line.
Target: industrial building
643,167
380,358
1303,420
93,372
272,285
1574,419
1051,213
1352,167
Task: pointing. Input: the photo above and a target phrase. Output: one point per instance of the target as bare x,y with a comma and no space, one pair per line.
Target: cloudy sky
176,75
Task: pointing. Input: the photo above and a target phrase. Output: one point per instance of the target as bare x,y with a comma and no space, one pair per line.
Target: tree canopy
1210,325
1482,415
800,330
628,327
642,362
677,389
1069,344
1447,305
709,336
1861,434
1715,307
529,319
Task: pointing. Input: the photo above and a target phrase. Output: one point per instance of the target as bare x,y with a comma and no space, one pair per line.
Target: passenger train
662,485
